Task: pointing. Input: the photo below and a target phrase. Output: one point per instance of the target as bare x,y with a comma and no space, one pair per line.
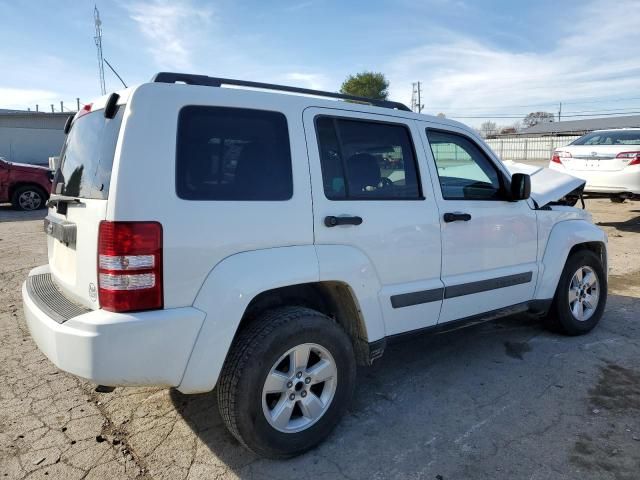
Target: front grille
46,295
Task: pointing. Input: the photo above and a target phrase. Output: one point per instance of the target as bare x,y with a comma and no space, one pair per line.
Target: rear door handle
331,221
456,217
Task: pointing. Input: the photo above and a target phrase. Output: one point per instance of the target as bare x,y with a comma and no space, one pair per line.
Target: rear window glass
616,137
87,156
232,154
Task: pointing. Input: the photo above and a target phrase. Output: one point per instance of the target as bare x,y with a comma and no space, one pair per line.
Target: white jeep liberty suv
265,240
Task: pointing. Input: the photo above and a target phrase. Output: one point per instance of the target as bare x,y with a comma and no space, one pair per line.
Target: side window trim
335,118
502,177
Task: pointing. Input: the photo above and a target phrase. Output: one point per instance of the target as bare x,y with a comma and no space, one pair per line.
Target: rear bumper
616,182
143,348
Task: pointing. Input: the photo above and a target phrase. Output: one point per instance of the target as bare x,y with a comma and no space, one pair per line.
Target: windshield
87,156
613,137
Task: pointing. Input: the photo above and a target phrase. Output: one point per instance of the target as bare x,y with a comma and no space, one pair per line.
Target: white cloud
307,80
596,56
19,98
172,29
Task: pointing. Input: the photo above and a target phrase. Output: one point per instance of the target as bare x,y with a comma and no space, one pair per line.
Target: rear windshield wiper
55,199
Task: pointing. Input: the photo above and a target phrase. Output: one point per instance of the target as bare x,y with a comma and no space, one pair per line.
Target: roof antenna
98,40
115,73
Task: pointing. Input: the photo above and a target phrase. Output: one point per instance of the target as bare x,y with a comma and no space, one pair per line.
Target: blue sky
474,58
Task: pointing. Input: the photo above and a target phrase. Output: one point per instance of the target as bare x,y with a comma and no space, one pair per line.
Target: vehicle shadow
432,396
630,225
8,214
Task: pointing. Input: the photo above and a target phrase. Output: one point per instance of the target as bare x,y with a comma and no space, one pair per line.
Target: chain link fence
528,148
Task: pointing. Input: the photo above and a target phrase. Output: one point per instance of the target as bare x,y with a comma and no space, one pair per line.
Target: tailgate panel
73,266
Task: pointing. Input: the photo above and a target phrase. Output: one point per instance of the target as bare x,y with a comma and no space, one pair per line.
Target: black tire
38,196
560,317
617,199
254,352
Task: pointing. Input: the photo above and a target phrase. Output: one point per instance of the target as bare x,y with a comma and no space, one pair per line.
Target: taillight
633,156
557,155
130,266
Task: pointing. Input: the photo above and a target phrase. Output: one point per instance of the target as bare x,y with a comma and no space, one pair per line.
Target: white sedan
609,161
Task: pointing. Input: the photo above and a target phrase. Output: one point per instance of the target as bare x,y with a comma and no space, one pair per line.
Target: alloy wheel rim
29,200
299,388
584,293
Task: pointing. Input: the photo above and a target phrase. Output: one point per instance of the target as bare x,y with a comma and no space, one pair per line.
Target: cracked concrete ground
502,400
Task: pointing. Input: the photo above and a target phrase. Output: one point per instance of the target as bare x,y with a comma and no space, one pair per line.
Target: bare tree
488,128
535,118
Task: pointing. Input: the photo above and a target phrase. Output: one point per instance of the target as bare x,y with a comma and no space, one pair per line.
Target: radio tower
98,40
416,100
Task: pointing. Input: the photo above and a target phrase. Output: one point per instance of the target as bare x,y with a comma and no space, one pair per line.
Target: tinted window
464,171
366,160
232,154
87,156
615,137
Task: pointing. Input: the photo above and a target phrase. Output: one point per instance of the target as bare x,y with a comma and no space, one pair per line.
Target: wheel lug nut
303,394
289,384
307,380
292,396
299,374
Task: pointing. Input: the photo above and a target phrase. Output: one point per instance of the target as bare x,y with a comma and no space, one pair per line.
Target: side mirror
520,186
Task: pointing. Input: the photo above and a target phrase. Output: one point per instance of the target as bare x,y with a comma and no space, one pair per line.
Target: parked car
248,240
609,160
27,187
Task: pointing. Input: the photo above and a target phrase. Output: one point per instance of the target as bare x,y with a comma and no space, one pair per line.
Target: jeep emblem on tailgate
93,293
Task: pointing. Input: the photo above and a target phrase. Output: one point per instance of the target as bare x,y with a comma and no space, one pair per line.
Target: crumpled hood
546,185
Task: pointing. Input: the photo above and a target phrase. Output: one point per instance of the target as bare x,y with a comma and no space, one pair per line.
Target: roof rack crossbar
204,80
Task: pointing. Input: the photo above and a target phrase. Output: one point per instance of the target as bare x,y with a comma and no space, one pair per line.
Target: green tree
366,84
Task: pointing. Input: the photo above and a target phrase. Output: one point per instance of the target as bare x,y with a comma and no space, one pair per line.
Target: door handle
456,217
331,221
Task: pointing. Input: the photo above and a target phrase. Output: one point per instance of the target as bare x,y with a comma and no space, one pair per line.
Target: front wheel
581,295
287,381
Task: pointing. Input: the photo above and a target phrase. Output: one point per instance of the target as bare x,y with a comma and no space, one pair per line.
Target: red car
27,187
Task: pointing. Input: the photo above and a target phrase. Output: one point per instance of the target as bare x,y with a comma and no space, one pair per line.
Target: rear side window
87,156
366,160
233,154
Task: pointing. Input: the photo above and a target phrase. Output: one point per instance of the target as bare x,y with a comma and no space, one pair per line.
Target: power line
571,116
547,104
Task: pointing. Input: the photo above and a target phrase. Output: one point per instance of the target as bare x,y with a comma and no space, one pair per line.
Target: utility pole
77,104
61,106
98,40
416,98
560,112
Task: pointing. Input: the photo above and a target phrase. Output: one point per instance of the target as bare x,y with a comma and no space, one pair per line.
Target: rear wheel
581,295
28,197
287,381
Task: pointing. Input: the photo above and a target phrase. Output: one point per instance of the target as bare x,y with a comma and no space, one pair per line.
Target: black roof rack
171,77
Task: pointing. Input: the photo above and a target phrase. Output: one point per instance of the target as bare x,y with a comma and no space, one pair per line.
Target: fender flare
563,237
235,281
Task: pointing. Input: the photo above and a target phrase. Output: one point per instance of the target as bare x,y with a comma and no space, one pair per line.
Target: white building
31,137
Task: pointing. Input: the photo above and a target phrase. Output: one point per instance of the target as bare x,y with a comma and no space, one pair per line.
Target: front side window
232,154
366,160
465,172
